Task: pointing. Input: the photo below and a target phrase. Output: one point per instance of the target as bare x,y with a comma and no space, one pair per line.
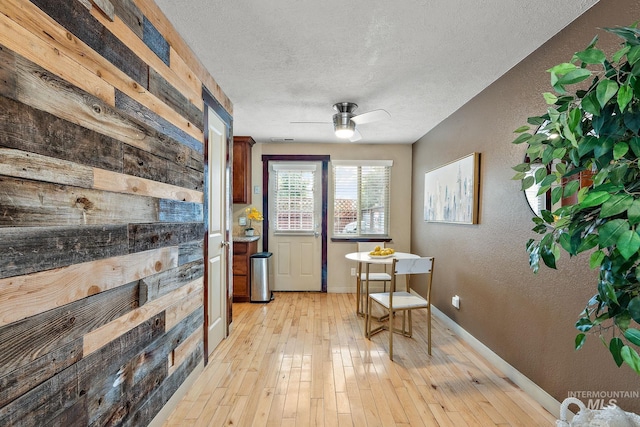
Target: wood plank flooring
302,360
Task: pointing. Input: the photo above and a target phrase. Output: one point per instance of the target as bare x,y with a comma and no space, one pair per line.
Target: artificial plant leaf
628,243
550,98
615,345
592,56
619,150
634,308
587,145
540,174
574,76
615,205
609,232
536,120
625,93
580,340
633,335
519,176
584,324
620,53
528,182
548,256
634,143
587,243
574,119
629,34
582,193
632,120
590,104
631,358
633,213
562,68
556,195
522,129
633,54
523,137
608,295
596,259
595,198
571,188
605,91
623,320
561,168
522,167
604,148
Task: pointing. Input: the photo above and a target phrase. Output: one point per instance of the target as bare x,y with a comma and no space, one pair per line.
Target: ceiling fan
345,121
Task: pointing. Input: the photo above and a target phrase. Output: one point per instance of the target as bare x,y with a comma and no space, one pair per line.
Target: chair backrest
408,266
413,265
369,246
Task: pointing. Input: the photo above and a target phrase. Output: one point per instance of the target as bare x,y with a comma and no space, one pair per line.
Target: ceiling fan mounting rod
345,107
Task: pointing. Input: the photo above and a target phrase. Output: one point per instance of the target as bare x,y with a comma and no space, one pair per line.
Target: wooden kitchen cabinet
242,252
242,169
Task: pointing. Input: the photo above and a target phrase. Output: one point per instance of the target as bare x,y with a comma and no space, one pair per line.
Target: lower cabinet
242,252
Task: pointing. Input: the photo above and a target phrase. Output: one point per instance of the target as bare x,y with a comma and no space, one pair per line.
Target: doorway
295,226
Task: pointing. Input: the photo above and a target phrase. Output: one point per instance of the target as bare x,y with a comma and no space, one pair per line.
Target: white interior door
216,262
295,220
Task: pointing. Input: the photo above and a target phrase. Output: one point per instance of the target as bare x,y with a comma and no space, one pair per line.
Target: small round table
367,260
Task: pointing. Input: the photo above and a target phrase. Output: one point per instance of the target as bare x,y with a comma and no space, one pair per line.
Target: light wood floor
302,360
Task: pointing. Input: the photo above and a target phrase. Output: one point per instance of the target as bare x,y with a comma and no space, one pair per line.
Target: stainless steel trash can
261,290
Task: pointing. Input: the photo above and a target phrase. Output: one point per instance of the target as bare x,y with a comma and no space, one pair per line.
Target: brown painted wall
101,195
526,319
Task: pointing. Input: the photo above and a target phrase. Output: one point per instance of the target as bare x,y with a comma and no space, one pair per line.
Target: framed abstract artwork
451,191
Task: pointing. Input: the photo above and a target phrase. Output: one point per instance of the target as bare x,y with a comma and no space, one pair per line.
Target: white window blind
294,198
361,197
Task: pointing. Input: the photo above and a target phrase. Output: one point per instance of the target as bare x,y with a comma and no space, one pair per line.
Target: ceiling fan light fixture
343,126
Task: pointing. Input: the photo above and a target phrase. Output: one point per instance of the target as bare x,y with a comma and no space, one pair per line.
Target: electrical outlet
455,301
242,220
256,189
353,271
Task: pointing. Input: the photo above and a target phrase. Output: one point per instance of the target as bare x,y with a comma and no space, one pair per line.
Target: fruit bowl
380,256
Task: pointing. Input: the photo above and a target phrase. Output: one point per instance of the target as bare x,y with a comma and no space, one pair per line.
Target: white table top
364,257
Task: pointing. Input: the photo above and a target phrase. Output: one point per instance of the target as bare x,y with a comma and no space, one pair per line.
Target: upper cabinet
242,169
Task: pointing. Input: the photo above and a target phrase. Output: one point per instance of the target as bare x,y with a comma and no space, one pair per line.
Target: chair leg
390,336
429,330
367,319
410,324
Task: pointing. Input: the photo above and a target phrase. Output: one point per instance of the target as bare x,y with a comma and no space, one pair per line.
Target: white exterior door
217,246
295,220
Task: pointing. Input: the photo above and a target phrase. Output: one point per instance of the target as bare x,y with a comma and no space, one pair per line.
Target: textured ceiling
290,60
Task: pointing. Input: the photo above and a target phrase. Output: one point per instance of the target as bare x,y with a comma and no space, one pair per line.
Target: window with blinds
361,198
294,198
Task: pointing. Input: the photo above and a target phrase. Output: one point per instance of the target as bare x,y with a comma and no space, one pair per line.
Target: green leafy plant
592,126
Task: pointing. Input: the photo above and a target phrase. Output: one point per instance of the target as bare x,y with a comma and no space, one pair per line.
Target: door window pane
294,200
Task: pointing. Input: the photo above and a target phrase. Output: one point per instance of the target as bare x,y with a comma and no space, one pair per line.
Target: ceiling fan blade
371,116
356,136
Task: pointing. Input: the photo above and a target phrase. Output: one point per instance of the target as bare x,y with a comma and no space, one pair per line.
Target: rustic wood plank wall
101,211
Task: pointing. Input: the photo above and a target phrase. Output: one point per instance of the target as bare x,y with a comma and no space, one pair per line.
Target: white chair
405,301
361,277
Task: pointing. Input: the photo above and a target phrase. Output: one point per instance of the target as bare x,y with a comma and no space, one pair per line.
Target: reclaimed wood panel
79,21
188,77
151,10
144,237
151,166
190,251
184,350
130,14
170,95
137,45
32,203
25,128
157,285
105,7
106,333
27,250
121,183
24,341
28,295
38,51
36,407
22,164
180,310
175,211
155,41
21,380
192,139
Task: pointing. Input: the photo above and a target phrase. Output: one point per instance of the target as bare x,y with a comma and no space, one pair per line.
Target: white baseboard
171,404
532,389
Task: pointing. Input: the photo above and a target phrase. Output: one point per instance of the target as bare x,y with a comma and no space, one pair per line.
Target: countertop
245,238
